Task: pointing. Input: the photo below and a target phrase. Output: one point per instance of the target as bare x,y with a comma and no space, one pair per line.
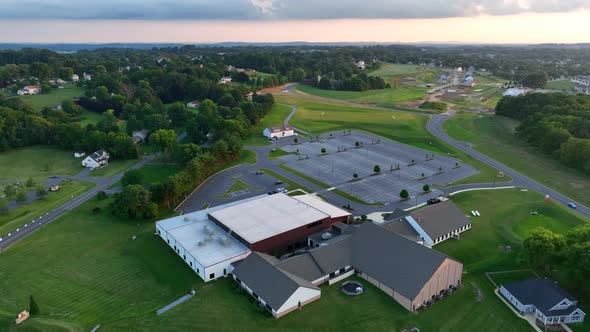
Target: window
191,263
212,276
332,275
224,273
184,256
159,232
198,270
269,308
168,241
342,270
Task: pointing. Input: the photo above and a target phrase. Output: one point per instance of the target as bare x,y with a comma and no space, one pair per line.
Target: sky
210,21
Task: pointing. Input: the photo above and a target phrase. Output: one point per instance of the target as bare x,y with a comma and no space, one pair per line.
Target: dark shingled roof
303,265
270,283
544,294
440,219
401,227
394,260
396,214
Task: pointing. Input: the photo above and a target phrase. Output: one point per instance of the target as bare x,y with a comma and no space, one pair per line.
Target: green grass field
275,118
563,85
113,168
54,97
494,136
119,282
394,73
26,213
153,173
89,118
38,162
379,97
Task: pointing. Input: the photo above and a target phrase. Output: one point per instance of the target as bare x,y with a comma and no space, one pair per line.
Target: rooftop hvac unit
225,241
208,230
326,236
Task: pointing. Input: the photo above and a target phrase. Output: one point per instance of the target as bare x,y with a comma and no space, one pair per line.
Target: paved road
101,185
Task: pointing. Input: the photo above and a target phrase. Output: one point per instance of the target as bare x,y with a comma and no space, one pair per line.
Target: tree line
557,124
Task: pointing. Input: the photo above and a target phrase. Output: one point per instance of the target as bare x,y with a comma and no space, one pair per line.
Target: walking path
173,304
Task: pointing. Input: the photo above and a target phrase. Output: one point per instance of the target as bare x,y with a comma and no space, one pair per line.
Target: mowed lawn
113,168
53,97
26,213
495,137
379,97
38,162
119,282
564,85
276,117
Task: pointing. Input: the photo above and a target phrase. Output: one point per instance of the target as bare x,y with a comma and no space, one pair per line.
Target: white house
225,80
29,90
193,104
79,154
86,77
97,159
75,78
281,131
544,299
140,136
361,65
514,92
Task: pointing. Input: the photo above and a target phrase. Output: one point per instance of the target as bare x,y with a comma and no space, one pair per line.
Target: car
572,205
259,172
278,183
433,201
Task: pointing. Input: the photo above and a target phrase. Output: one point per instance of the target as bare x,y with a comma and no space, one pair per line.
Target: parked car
278,183
433,201
259,172
572,205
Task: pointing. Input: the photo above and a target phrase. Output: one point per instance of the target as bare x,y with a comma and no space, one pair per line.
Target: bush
131,177
324,150
404,194
21,197
426,188
101,195
30,182
434,105
377,169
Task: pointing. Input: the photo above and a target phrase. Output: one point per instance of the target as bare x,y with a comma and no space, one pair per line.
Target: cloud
275,9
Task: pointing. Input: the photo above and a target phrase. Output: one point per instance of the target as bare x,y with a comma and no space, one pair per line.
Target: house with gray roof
412,274
544,299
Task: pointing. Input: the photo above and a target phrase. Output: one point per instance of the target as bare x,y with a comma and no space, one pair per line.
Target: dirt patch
275,89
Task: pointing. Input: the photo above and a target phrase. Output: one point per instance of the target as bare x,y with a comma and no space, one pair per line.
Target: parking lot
402,166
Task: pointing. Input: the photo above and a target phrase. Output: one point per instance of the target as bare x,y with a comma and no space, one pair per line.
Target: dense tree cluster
361,82
557,124
434,105
569,253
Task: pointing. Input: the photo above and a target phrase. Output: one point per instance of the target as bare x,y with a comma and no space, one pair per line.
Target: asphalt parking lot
402,166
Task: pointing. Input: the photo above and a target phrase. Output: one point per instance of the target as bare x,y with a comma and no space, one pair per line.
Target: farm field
564,85
379,97
275,118
320,117
494,136
53,97
129,279
38,162
26,213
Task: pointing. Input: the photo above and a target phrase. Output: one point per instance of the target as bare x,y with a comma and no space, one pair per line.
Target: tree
404,194
21,196
33,306
9,190
101,195
426,188
355,176
296,140
30,182
377,169
542,246
135,202
3,206
132,177
41,192
536,80
323,150
242,77
163,138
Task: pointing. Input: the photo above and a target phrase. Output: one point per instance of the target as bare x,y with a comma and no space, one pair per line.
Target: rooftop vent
326,236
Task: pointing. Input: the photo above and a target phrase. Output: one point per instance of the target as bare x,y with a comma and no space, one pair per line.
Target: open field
89,118
408,128
153,173
564,85
494,136
394,74
274,118
26,213
119,282
379,97
38,162
112,168
54,97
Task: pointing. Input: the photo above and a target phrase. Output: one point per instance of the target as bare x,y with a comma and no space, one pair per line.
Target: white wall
302,294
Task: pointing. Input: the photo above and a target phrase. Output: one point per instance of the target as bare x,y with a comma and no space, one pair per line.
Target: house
514,92
75,78
544,299
29,90
277,290
431,225
412,274
54,188
225,80
360,65
97,159
140,136
444,76
86,77
210,240
468,81
193,104
79,154
279,131
57,107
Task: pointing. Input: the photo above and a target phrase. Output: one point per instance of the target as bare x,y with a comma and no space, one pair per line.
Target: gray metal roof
440,219
401,227
333,257
270,283
303,265
395,261
544,294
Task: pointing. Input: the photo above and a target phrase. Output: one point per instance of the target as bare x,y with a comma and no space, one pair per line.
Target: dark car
278,182
259,172
433,201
